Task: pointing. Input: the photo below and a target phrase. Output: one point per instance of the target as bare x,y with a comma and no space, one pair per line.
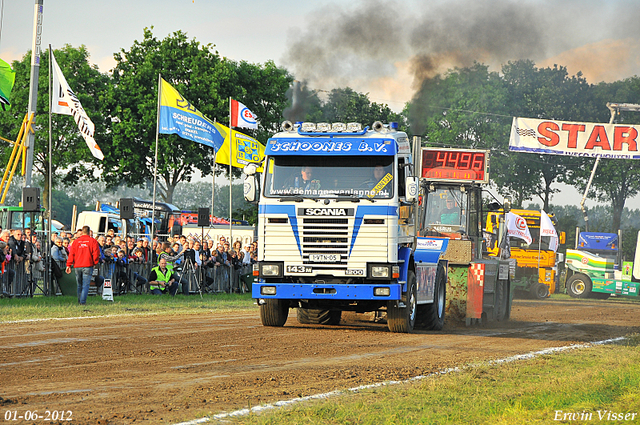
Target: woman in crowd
58,251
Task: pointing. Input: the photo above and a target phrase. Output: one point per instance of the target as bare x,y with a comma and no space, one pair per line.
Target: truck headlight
271,269
379,271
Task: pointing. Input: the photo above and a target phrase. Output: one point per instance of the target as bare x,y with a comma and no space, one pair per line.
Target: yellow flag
245,149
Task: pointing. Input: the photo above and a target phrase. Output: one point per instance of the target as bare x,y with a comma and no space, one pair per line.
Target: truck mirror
250,188
563,238
494,206
411,185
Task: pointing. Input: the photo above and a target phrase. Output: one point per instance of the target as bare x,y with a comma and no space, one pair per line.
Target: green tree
346,105
262,88
543,93
466,108
62,207
198,73
71,158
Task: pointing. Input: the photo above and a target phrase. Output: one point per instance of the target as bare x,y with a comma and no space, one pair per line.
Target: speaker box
203,217
126,209
31,199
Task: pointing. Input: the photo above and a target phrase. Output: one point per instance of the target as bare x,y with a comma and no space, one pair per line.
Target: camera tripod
188,275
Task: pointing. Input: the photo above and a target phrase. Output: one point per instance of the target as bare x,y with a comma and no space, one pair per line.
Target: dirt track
169,369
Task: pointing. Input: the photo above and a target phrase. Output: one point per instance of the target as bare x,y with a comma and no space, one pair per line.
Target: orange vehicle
536,271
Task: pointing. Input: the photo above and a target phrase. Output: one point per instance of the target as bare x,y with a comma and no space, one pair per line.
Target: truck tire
403,319
579,286
274,312
539,291
503,309
431,316
308,316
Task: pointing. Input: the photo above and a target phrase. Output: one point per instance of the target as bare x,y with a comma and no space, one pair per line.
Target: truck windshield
329,177
446,210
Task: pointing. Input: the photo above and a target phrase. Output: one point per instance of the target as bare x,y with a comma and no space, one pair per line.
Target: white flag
547,229
66,102
241,116
517,227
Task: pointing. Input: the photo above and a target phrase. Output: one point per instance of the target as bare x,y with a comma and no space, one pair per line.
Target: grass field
593,385
12,309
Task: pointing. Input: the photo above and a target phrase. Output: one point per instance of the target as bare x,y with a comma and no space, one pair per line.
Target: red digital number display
454,165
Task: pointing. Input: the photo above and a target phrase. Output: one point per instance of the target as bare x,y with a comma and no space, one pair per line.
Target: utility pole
33,88
615,108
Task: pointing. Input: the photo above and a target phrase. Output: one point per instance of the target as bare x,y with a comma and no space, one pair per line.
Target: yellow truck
535,272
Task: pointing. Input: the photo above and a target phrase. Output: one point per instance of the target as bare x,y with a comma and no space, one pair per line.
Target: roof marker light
354,127
308,127
323,126
337,127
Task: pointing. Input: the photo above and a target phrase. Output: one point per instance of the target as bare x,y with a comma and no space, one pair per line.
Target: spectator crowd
203,265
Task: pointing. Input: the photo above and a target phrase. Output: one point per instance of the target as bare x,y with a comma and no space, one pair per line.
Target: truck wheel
403,319
502,309
539,291
308,316
579,286
431,316
274,312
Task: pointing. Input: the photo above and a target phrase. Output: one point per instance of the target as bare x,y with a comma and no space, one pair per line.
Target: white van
100,222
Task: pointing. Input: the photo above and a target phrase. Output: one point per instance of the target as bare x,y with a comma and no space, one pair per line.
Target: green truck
595,268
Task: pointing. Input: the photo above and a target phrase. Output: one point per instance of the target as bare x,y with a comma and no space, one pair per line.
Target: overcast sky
370,45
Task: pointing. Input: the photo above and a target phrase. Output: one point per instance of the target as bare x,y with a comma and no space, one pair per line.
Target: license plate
324,258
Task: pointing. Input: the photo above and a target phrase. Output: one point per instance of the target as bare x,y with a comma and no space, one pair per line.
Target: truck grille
324,239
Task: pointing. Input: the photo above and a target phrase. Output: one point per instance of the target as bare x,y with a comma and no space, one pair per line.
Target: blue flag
178,116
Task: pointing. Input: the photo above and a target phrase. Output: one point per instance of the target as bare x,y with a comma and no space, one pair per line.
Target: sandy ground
125,370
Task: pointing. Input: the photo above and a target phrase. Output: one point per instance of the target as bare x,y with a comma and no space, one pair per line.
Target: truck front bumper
309,291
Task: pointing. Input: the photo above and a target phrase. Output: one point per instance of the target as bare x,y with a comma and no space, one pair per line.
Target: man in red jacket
84,253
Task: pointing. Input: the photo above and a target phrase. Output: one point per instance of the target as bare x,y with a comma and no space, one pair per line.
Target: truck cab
596,269
336,224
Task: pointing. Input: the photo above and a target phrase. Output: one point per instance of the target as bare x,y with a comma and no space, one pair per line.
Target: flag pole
155,166
230,175
213,182
50,194
213,179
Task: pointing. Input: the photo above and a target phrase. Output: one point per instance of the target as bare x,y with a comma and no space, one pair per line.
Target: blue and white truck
338,228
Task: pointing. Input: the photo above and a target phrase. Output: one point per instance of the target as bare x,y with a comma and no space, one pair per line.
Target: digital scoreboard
459,165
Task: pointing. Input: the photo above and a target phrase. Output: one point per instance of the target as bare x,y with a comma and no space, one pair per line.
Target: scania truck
344,225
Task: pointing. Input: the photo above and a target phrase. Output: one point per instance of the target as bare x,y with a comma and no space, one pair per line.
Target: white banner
547,229
66,102
517,227
574,138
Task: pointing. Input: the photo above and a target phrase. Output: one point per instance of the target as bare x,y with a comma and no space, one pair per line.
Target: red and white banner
241,116
574,138
517,227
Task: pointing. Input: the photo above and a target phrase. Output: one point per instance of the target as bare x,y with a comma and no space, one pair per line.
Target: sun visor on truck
598,241
330,146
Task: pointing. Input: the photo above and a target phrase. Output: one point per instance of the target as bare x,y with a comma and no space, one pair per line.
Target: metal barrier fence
132,278
25,279
28,278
